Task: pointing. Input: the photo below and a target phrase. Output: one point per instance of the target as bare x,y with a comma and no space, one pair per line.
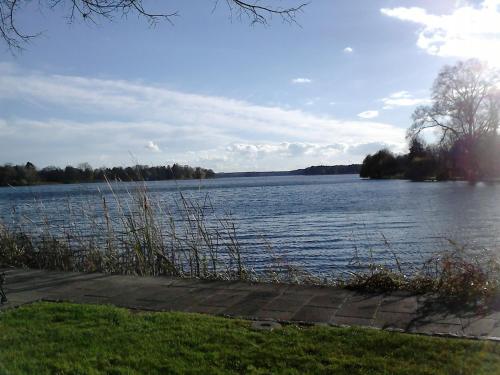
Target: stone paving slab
424,314
394,320
400,304
314,314
359,305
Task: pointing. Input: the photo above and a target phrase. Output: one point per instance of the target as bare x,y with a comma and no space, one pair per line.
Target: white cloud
285,149
151,146
348,50
301,80
312,101
402,99
368,114
467,32
258,156
115,118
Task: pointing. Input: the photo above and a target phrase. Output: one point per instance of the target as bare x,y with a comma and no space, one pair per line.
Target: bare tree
465,103
465,110
92,10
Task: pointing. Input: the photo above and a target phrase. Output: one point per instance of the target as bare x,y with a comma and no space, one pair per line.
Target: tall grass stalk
141,236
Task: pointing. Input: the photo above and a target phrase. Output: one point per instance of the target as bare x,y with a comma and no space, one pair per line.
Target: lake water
315,221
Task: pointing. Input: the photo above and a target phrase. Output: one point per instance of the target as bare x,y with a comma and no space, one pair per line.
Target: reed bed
139,236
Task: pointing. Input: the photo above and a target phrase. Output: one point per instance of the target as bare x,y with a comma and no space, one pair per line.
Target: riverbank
138,232
29,175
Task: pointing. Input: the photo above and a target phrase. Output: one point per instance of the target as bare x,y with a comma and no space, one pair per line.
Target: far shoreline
309,171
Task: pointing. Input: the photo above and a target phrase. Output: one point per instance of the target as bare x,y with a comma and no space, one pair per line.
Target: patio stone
314,314
360,306
402,304
393,320
351,321
479,327
286,304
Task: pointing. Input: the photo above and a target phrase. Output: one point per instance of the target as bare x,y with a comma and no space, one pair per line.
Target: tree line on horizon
28,174
330,169
465,115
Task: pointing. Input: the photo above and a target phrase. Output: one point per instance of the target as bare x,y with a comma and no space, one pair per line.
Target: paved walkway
283,303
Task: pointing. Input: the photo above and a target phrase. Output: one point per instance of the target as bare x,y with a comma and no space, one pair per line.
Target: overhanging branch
91,10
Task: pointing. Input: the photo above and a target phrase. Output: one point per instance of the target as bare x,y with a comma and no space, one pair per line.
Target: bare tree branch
261,13
92,10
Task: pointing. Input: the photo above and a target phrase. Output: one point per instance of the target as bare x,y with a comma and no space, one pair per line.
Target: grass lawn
85,339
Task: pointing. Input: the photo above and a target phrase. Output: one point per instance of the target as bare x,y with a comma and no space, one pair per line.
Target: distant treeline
28,174
477,160
310,171
331,169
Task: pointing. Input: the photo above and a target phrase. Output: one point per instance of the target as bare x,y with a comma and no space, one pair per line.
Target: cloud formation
402,99
301,80
368,114
57,119
151,146
470,31
348,50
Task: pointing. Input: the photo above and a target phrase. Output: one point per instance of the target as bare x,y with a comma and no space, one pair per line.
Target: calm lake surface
315,221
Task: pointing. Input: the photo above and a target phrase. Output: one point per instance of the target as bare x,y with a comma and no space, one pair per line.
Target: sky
212,90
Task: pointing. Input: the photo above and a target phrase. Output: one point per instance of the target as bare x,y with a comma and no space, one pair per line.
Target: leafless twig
93,10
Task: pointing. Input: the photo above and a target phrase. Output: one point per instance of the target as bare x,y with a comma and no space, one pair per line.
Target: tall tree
465,110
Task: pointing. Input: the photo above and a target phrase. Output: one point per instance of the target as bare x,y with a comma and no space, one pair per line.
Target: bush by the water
476,161
455,274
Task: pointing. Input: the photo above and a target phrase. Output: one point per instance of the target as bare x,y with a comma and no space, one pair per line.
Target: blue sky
213,91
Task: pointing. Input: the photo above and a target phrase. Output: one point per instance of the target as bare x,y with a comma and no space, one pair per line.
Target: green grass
60,338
